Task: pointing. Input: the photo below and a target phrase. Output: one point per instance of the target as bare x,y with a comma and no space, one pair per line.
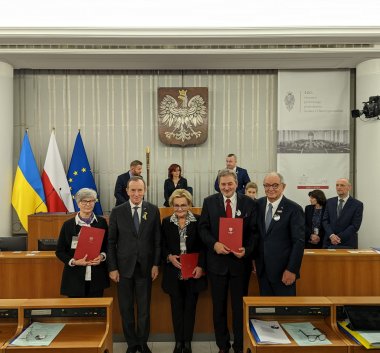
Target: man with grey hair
342,218
134,254
279,253
225,268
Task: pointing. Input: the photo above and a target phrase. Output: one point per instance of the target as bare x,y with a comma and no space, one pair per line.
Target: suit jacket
73,277
309,211
126,247
120,188
213,208
346,226
281,247
243,179
169,187
171,245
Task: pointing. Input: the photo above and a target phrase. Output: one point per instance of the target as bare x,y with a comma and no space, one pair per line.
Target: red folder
89,242
188,263
231,232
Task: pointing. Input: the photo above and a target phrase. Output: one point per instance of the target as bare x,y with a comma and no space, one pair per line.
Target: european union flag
79,174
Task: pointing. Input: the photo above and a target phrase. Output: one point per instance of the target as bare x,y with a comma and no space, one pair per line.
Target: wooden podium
88,324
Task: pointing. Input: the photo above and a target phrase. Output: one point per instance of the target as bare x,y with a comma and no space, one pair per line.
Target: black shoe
178,347
226,350
144,348
132,349
187,347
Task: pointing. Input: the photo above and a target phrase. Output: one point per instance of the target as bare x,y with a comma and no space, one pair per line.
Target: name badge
74,242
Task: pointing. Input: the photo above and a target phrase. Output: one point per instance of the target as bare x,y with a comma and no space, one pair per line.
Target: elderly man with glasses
279,253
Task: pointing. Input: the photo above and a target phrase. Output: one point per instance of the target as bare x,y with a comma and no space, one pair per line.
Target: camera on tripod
371,109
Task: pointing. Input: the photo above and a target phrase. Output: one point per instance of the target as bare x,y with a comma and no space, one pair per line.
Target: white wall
368,154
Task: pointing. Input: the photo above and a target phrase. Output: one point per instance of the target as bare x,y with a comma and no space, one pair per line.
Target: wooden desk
24,275
323,320
48,225
9,325
338,303
86,332
39,276
340,272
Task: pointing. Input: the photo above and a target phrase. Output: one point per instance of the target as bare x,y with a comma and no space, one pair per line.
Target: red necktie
228,209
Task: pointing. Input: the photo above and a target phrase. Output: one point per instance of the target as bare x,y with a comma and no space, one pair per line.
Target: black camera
371,109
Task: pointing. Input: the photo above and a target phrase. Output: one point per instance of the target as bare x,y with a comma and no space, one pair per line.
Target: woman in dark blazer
314,232
173,182
179,236
82,277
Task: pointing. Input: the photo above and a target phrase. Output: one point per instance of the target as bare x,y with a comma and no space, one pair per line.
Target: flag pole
147,157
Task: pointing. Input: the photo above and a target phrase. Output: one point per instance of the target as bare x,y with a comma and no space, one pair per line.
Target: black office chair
190,190
13,243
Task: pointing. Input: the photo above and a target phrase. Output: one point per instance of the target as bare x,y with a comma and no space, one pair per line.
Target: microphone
50,192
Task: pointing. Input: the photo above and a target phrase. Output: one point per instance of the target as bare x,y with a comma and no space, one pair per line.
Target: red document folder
188,263
89,242
231,232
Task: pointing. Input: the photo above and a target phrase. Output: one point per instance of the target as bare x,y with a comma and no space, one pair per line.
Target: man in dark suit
282,239
225,267
342,218
134,246
135,169
241,173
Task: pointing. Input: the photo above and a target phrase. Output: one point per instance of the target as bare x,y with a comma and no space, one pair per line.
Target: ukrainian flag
28,193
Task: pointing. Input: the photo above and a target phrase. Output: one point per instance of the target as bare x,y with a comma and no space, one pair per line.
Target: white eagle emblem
184,118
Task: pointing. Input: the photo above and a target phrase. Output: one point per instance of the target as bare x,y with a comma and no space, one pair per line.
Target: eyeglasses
312,338
34,334
273,186
87,202
180,207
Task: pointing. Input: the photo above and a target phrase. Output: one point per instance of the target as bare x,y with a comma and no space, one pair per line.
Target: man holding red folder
225,267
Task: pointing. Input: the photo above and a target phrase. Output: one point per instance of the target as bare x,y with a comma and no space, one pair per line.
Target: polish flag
57,190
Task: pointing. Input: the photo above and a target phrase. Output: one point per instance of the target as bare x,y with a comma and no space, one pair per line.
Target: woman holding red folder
180,236
82,277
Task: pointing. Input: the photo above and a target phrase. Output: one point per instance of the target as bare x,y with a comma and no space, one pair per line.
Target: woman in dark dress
173,182
180,236
314,231
82,277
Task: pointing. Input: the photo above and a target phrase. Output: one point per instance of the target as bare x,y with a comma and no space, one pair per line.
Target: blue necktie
136,220
268,217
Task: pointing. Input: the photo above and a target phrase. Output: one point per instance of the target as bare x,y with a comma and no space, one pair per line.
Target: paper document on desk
268,332
369,339
302,331
38,334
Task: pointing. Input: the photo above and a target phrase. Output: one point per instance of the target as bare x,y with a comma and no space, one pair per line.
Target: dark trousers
90,291
137,288
220,285
247,275
184,304
268,288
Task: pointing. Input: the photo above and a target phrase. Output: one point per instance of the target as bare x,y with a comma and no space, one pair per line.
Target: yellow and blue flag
28,195
79,174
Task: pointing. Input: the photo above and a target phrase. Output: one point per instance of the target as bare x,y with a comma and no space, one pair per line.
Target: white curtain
116,113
